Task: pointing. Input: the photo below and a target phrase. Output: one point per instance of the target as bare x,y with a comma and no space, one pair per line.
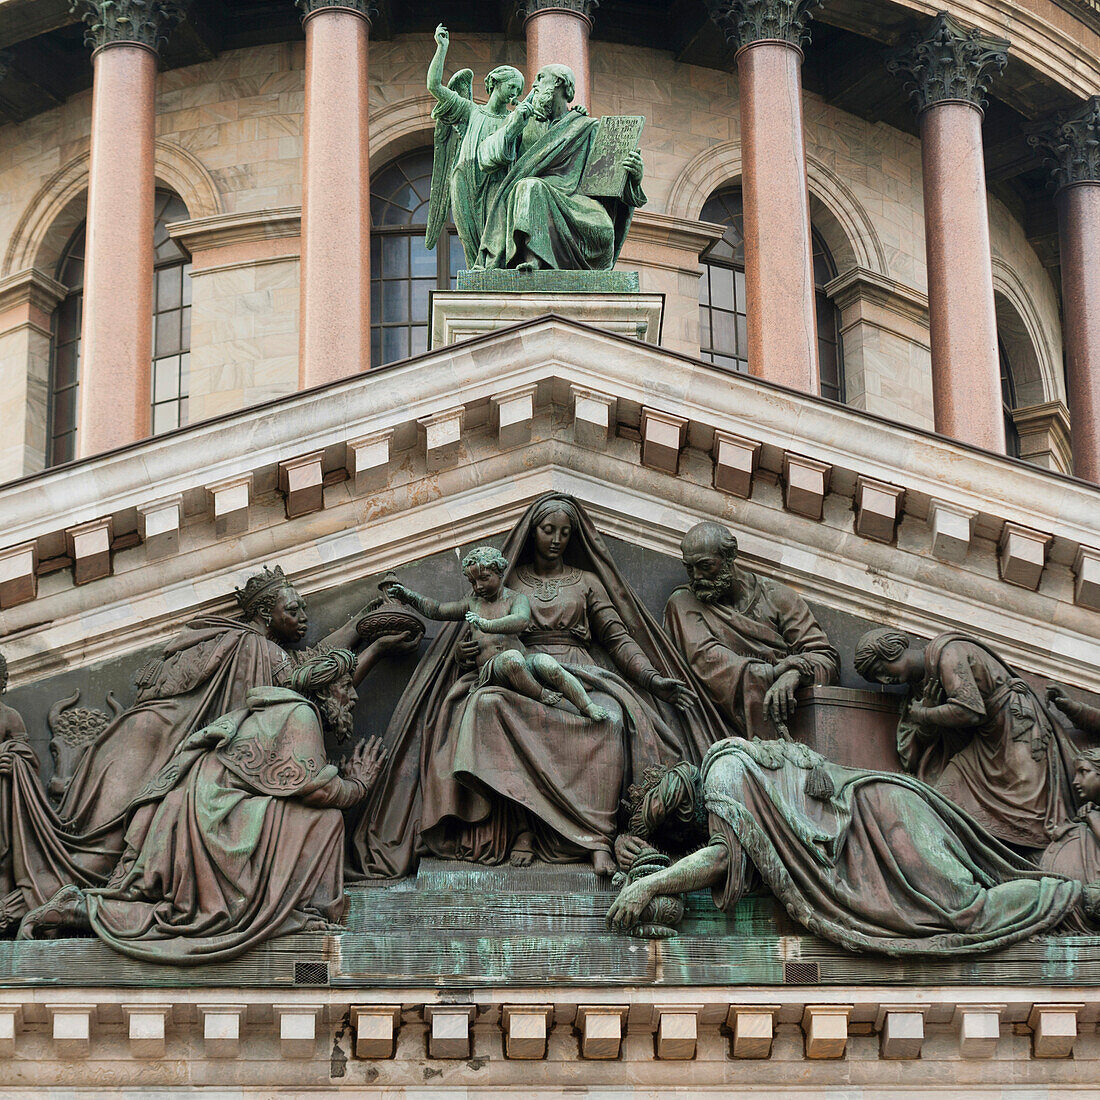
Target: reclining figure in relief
873,861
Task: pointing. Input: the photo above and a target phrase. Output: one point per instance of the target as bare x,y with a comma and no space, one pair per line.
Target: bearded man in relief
752,642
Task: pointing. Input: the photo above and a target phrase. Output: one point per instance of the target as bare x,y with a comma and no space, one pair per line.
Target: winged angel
461,125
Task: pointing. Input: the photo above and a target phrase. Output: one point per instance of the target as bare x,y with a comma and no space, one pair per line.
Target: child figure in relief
497,616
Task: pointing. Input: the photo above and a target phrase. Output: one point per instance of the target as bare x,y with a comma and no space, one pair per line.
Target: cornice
219,230
664,229
859,283
30,287
949,63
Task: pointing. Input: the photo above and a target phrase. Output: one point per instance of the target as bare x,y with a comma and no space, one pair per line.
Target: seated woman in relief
492,775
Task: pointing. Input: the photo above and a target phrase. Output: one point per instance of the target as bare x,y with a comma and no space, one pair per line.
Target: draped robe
722,641
205,671
1012,767
886,865
537,204
467,772
245,840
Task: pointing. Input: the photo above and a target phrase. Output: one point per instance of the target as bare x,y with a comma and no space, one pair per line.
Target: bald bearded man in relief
752,642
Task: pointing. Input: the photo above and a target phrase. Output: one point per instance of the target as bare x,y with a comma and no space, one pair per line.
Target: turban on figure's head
322,669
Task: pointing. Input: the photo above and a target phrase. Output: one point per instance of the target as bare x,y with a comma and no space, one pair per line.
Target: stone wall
229,137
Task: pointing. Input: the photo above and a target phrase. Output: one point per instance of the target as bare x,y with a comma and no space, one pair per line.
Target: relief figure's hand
673,691
627,849
442,36
466,654
628,907
779,701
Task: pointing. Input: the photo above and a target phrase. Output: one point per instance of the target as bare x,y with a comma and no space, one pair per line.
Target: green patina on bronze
540,186
549,281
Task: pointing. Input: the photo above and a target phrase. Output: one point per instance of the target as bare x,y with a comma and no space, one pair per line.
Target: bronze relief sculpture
239,837
205,672
497,615
750,641
490,775
978,732
872,861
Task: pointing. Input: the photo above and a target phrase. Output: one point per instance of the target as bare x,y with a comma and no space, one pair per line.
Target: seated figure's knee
509,662
544,666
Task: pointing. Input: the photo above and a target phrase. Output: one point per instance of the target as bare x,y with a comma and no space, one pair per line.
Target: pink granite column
335,281
1072,144
117,326
950,68
779,280
557,34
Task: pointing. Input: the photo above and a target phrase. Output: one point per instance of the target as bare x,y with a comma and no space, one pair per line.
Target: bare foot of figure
66,913
522,854
550,698
527,265
597,714
603,863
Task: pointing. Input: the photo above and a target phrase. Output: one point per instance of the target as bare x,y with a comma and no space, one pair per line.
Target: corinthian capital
949,62
1070,145
141,22
366,8
746,21
526,8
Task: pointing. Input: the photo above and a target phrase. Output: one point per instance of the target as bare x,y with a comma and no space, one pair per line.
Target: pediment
341,483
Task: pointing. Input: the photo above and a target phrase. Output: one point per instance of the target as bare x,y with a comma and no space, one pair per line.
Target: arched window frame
64,374
403,271
723,318
170,365
1009,403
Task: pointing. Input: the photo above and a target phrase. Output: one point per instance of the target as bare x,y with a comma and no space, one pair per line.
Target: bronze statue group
552,719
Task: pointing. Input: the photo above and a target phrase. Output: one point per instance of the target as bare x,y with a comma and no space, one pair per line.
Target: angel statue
461,125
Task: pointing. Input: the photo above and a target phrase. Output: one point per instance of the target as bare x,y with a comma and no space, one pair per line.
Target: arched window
1008,402
403,271
171,318
171,334
61,409
723,325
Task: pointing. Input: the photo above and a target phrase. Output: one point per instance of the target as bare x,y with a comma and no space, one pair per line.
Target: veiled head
663,803
552,525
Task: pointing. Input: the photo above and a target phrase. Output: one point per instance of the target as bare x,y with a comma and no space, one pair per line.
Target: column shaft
966,385
560,36
335,279
1079,240
779,279
117,326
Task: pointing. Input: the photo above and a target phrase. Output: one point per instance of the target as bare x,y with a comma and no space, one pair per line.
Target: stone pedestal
487,301
851,727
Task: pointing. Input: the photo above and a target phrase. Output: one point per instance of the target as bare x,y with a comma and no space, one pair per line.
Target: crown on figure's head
260,588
